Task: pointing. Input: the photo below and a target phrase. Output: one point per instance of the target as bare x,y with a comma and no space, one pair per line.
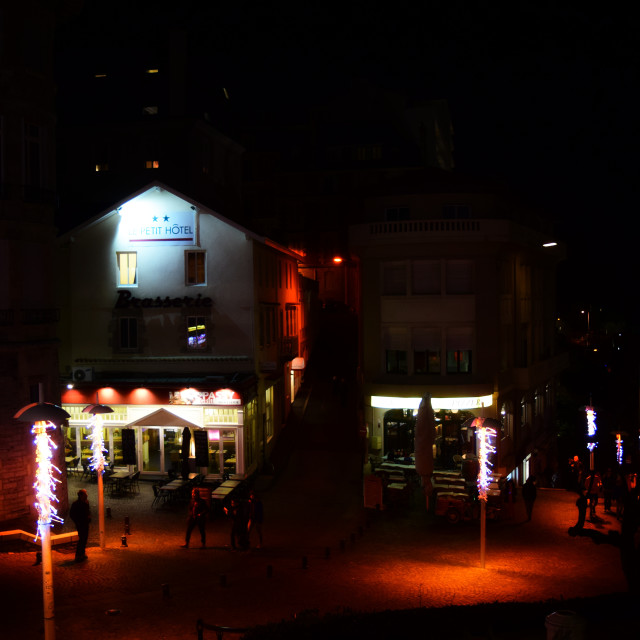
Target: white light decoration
98,460
486,448
45,481
619,451
591,427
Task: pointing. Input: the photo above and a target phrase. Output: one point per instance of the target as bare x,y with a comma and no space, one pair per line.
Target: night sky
539,93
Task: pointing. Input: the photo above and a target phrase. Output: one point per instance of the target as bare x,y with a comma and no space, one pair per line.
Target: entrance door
152,458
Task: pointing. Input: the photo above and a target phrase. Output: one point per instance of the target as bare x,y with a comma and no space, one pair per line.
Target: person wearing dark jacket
198,510
80,513
529,494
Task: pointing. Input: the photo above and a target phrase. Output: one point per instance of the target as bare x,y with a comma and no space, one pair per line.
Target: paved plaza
323,552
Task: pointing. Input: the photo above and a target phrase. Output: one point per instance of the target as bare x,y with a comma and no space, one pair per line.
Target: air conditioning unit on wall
82,374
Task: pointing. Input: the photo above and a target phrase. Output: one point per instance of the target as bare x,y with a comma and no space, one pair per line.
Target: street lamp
44,416
97,461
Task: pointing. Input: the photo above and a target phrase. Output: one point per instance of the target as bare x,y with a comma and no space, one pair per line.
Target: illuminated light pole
98,460
619,450
44,416
591,432
484,434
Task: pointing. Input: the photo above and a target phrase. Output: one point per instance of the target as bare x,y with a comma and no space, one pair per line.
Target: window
425,277
102,166
128,334
394,281
395,348
127,268
152,164
459,276
396,213
426,351
456,212
195,267
196,332
459,343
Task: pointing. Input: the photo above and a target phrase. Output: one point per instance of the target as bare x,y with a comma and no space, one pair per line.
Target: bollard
127,527
304,562
223,580
165,590
269,571
124,541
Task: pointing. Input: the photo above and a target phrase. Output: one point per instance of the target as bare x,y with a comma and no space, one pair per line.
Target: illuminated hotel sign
192,396
457,404
154,228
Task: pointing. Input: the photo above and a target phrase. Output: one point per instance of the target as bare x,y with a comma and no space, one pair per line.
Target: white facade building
169,309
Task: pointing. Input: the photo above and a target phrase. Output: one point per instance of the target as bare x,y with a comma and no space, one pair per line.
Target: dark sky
540,93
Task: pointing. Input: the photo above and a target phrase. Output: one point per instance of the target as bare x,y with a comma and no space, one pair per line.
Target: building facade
458,302
169,309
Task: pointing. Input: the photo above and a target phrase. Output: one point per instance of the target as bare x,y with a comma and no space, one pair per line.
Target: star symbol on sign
155,218
166,218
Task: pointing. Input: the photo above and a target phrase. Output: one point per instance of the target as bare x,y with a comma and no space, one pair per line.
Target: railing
219,630
424,226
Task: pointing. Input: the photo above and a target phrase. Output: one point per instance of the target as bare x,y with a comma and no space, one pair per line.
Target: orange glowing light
337,260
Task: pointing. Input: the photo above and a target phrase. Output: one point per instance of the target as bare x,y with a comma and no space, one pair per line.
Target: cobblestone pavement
322,552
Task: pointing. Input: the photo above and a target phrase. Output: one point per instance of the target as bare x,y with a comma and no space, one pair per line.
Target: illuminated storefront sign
193,396
154,228
457,404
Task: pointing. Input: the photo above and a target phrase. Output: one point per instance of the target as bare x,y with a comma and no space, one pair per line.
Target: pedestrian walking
198,510
529,494
238,511
256,516
80,513
592,485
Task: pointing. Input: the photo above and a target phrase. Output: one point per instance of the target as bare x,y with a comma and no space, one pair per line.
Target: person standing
592,486
198,510
256,514
529,494
238,511
80,513
608,485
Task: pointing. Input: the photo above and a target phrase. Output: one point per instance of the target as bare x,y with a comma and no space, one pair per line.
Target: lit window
127,268
426,351
152,71
195,267
100,75
152,164
150,111
102,166
459,344
196,332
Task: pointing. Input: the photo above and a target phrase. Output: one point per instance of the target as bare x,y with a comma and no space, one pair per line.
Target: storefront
148,435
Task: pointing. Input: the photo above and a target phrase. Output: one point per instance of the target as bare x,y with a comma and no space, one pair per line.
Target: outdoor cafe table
118,478
173,488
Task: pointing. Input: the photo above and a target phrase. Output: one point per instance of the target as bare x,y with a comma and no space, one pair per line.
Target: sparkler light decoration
98,460
591,427
45,481
486,447
619,452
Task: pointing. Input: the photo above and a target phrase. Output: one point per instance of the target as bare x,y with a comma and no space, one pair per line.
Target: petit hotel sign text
172,228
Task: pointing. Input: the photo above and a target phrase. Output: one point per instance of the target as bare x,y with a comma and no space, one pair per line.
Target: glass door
171,449
151,449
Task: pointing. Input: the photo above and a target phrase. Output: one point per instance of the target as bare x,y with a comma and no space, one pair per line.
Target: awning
162,418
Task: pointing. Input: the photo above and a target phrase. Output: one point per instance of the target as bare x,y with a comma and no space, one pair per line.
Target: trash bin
565,625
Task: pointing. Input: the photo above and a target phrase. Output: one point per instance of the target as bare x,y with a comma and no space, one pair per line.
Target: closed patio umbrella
186,445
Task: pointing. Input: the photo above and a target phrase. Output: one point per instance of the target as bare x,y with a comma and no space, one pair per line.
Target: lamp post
97,459
44,416
484,434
